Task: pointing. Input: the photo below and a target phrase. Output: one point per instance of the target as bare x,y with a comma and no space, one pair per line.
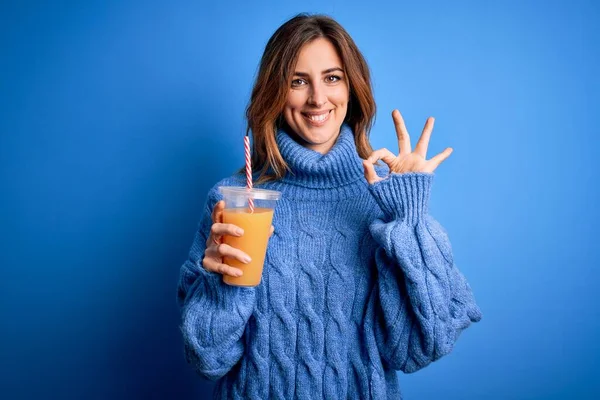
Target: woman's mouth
317,119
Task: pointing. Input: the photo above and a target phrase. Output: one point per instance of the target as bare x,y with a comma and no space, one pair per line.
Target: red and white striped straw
248,171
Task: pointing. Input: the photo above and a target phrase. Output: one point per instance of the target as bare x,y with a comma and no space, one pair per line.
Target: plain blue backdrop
116,117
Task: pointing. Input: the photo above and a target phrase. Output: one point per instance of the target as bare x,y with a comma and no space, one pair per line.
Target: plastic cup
256,226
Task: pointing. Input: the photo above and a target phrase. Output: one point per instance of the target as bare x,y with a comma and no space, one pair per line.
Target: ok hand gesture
407,160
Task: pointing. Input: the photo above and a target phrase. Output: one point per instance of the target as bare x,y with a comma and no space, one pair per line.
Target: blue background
117,116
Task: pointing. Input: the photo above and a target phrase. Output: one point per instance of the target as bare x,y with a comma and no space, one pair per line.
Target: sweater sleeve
421,300
214,314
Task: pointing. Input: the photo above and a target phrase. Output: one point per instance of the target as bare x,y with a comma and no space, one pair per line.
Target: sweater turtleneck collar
340,166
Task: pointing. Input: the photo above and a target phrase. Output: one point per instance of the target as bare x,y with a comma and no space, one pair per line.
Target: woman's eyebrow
322,73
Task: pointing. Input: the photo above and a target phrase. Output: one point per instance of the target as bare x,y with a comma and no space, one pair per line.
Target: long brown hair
269,94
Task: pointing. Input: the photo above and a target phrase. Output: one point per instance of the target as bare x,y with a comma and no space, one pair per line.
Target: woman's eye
297,82
328,79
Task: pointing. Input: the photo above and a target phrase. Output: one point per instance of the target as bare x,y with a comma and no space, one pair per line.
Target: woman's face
318,97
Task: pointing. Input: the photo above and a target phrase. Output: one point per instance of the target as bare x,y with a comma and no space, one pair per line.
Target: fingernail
239,231
239,273
246,259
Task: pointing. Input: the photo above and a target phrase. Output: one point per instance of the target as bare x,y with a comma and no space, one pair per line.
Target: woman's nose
317,96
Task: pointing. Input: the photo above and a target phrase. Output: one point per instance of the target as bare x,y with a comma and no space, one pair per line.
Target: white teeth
318,118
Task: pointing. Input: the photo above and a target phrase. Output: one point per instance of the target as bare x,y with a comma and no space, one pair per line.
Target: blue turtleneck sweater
359,281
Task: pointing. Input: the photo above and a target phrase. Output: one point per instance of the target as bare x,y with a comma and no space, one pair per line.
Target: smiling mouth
317,119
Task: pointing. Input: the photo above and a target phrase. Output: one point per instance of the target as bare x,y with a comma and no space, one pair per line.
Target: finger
382,154
437,160
217,214
370,174
212,251
225,250
402,133
423,143
271,231
212,265
217,230
212,240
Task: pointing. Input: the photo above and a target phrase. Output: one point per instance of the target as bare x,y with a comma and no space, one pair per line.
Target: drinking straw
248,171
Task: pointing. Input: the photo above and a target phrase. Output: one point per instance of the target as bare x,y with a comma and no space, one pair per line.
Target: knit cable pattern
359,281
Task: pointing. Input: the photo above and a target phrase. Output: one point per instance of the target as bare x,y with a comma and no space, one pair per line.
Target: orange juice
254,242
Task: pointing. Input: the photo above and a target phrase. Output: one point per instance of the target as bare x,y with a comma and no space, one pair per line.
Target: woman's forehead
318,56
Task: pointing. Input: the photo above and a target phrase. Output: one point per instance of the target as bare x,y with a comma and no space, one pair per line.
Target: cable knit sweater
359,281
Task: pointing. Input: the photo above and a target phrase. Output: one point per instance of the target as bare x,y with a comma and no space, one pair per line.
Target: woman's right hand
216,249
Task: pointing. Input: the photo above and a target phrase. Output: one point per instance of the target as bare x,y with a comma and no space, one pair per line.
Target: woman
359,280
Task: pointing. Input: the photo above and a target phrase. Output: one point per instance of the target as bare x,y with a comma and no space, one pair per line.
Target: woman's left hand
407,160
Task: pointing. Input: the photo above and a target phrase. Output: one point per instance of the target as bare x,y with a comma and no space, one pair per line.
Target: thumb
370,174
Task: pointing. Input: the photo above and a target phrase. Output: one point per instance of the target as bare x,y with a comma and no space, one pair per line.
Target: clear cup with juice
256,225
